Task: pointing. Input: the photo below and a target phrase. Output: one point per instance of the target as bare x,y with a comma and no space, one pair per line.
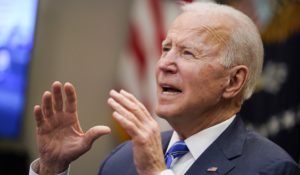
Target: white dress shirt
33,164
197,144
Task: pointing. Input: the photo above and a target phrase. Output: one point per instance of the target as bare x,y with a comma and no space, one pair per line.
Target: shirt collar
200,141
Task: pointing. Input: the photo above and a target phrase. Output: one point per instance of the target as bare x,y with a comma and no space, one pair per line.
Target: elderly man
210,60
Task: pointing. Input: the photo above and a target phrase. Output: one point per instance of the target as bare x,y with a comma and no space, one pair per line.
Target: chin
166,112
160,112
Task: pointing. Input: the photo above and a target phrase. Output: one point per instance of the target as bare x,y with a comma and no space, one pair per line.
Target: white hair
244,46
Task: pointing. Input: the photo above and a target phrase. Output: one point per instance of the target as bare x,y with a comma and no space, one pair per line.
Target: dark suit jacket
236,151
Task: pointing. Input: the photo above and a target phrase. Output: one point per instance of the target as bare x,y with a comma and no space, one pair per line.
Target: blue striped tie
176,151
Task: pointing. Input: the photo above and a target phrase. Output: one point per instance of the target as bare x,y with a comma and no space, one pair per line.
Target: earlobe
238,76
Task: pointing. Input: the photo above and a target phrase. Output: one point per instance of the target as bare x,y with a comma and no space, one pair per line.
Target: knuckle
142,139
127,115
130,125
134,108
152,131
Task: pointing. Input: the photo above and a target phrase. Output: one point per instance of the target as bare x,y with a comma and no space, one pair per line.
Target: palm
57,139
59,136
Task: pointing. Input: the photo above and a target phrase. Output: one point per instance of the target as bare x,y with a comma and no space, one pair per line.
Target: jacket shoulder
119,160
265,157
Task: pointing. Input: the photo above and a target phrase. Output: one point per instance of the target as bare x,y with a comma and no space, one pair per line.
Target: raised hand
60,138
142,128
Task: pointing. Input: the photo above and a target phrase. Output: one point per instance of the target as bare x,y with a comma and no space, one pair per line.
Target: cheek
198,76
205,80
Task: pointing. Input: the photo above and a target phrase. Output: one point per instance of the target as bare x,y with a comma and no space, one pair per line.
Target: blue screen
17,24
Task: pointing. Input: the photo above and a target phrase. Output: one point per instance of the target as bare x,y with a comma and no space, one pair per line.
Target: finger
124,112
137,102
47,108
71,99
127,125
39,118
95,132
129,96
124,101
129,105
57,96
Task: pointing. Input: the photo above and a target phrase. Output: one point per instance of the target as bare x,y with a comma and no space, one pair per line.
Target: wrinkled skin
60,138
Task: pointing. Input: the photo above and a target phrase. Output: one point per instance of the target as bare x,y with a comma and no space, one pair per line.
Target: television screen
17,24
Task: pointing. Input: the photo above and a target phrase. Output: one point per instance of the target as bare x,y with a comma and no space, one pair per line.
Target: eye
165,49
188,53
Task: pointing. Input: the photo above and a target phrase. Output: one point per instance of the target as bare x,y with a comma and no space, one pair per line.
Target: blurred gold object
285,22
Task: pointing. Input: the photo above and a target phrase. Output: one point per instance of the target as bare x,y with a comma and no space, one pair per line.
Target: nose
167,63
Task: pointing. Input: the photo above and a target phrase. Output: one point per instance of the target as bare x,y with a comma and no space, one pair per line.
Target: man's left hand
142,128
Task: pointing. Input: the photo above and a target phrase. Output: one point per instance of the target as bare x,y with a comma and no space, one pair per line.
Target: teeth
170,92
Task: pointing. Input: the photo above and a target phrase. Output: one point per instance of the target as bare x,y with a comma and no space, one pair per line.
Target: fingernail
116,115
110,101
113,92
56,82
47,93
124,92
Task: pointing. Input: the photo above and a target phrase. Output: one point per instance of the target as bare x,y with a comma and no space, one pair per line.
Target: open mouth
169,89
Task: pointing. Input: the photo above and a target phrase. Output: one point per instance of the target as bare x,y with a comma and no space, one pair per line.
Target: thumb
95,132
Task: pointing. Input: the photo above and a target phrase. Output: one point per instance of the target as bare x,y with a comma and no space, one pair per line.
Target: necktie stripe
177,150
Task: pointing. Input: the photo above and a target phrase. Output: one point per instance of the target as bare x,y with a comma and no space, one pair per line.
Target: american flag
149,21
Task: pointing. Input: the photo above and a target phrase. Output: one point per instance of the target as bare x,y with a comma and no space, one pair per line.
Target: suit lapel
165,140
219,157
213,158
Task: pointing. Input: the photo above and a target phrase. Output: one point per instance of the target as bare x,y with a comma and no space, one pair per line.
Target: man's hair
244,46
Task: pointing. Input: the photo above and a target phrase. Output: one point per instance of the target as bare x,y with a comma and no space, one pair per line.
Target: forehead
210,28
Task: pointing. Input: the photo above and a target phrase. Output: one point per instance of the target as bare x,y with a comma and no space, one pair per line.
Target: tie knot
177,150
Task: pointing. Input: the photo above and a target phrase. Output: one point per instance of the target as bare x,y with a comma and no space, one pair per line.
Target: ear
238,75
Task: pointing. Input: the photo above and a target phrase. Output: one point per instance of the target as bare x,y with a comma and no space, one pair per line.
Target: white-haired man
211,58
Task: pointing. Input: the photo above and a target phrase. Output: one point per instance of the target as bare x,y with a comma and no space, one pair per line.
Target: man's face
190,79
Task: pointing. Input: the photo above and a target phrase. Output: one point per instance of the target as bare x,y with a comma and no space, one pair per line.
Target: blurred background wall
77,41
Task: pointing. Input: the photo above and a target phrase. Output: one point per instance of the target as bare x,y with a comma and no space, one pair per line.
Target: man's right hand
60,138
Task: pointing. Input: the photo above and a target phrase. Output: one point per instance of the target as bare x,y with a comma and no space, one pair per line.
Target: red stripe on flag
155,6
136,49
188,1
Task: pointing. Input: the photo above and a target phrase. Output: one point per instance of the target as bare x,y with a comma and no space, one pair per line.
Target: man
211,58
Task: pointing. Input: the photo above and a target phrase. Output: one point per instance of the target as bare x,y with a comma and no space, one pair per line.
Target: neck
190,124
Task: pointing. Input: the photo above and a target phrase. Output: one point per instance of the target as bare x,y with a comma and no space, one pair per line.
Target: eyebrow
181,44
165,42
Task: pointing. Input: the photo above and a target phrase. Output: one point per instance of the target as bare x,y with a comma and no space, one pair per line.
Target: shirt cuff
167,172
32,169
